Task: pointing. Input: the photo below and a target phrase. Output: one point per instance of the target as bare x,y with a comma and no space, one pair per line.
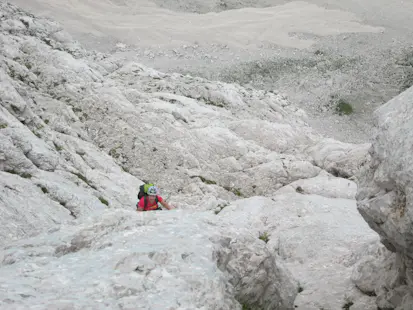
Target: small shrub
264,237
299,189
249,306
104,201
216,104
125,169
26,175
77,109
343,107
300,288
113,152
44,190
57,147
2,126
83,178
46,121
204,180
246,307
235,191
80,176
347,305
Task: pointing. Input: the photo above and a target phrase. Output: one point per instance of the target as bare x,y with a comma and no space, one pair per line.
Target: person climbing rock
149,201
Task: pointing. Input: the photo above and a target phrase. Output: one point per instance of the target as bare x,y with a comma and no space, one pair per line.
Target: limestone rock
317,234
385,196
79,130
174,265
338,158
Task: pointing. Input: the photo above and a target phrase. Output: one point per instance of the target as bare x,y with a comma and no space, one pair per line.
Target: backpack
143,189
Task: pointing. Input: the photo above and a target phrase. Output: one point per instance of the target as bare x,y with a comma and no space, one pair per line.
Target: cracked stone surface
385,201
80,130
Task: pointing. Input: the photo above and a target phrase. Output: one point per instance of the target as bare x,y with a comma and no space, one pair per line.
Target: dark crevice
339,174
83,178
63,204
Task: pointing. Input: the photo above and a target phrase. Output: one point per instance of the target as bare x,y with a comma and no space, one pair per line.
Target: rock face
79,130
314,226
125,260
385,200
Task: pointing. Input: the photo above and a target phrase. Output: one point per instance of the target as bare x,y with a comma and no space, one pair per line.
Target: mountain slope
79,131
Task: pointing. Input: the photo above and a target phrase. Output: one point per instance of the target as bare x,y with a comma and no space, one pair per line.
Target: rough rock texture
338,158
385,200
78,131
315,227
171,129
125,260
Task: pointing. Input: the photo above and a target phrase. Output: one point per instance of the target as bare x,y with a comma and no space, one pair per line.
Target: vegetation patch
113,152
319,53
347,305
264,237
216,104
221,207
236,191
57,147
44,189
250,306
246,306
299,189
343,107
25,175
204,180
83,178
104,201
2,126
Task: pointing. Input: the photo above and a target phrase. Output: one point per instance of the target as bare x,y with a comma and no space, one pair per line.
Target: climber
149,202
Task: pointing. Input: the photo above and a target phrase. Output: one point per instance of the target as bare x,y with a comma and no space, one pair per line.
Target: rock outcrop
385,200
125,260
314,226
79,130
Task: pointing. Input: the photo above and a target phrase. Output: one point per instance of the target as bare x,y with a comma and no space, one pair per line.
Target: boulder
385,199
123,260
